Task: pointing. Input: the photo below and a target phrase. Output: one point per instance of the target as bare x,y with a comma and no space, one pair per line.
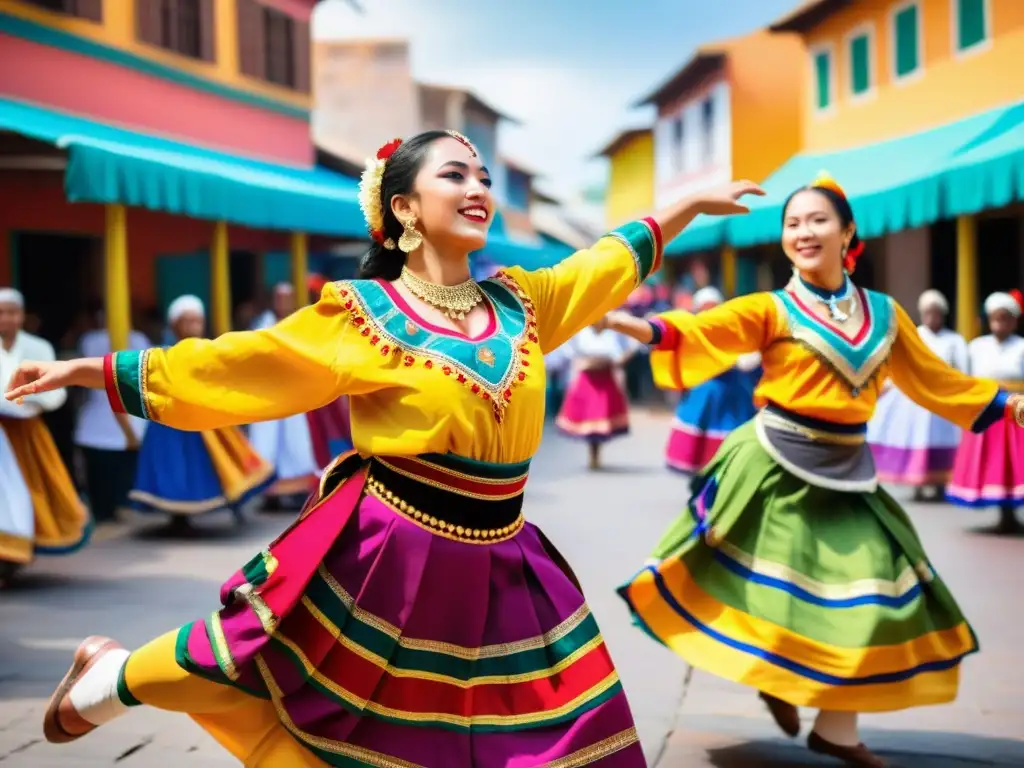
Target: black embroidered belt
454,497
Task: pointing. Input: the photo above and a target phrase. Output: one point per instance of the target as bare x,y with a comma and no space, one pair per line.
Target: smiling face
451,198
813,234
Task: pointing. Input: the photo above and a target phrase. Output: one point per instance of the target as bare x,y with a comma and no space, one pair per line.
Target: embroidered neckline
824,296
386,325
854,359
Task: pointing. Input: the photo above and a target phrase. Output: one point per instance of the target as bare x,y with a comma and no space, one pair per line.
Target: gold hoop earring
411,238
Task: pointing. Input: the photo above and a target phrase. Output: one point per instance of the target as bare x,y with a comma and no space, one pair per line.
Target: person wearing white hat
109,442
706,414
913,446
184,474
989,467
40,511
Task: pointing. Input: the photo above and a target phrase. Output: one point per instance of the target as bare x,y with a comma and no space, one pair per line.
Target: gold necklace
454,300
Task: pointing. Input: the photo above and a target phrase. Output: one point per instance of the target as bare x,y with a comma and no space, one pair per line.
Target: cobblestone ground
135,582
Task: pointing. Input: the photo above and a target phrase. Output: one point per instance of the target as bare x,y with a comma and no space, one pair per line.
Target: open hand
32,378
725,200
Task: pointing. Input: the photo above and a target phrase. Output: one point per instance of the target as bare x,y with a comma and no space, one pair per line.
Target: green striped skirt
819,597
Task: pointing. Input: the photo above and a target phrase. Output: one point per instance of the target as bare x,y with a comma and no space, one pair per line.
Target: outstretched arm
579,290
689,349
925,378
236,378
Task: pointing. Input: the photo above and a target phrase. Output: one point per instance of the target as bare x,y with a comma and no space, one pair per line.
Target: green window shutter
970,23
860,64
907,53
823,78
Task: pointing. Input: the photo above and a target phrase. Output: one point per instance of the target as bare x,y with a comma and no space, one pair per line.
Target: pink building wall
65,80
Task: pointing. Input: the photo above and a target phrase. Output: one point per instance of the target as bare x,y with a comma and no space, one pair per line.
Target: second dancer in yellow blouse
791,570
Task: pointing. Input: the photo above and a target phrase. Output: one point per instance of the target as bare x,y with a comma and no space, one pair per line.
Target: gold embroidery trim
221,649
597,751
458,651
450,488
428,522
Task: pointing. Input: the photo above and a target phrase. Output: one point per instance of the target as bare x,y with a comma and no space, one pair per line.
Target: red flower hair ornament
369,192
370,183
855,250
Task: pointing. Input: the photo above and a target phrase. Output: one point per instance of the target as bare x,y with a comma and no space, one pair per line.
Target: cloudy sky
568,69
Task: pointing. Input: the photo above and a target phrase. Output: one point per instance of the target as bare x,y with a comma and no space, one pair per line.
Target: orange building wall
767,100
952,85
35,202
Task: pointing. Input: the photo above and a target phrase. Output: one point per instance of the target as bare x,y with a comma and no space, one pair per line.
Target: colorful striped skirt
912,446
989,468
189,473
385,635
819,597
595,408
41,512
706,415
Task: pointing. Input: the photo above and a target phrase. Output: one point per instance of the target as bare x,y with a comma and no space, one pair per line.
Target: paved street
135,584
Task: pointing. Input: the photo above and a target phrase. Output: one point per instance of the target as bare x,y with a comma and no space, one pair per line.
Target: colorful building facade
141,138
630,193
919,92
733,111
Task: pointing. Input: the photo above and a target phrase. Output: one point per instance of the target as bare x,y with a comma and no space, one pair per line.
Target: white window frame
954,25
867,29
833,78
918,73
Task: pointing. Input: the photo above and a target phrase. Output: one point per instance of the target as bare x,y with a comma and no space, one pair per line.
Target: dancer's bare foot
858,756
786,716
61,722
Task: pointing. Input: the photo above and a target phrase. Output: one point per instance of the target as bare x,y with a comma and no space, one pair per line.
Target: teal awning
107,164
957,169
703,234
500,249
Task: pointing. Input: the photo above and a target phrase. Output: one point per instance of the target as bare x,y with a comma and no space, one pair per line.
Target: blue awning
957,169
107,164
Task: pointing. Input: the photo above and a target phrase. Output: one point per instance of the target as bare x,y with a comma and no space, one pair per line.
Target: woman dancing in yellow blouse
791,570
410,616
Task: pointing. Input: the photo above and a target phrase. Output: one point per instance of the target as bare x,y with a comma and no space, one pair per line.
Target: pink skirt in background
595,407
989,468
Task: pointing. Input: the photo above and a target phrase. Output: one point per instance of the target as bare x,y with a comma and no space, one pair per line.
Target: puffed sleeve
579,290
693,348
921,375
302,363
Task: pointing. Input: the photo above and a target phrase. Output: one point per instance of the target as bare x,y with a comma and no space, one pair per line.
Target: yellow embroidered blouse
818,369
414,388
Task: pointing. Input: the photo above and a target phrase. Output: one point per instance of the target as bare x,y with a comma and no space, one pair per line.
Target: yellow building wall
952,85
117,30
766,102
630,181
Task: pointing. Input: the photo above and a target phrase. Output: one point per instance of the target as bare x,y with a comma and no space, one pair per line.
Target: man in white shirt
56,521
109,442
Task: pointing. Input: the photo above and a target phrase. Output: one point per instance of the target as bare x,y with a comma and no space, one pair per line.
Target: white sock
95,695
839,728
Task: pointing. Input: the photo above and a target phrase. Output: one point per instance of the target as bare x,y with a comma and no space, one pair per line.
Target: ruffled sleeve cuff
664,337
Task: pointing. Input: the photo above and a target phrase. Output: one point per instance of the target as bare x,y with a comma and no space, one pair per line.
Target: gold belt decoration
379,491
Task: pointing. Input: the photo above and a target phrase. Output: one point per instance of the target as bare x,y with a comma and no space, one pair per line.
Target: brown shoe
859,756
61,722
786,716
